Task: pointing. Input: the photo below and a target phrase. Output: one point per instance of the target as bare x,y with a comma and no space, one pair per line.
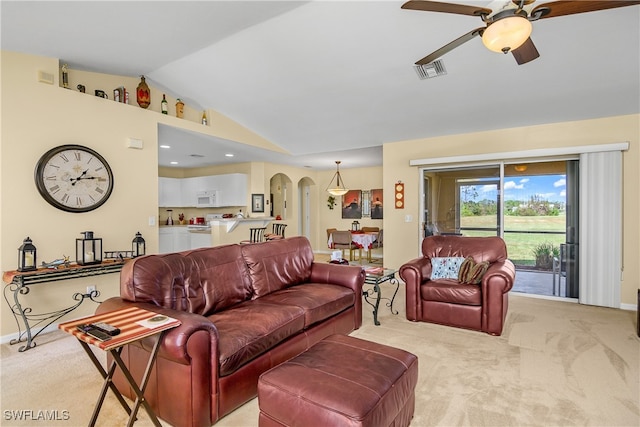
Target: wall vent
44,77
430,70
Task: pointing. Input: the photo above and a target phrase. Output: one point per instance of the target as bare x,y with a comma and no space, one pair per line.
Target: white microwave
207,199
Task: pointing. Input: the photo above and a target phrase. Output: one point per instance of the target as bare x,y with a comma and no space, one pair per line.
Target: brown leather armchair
482,307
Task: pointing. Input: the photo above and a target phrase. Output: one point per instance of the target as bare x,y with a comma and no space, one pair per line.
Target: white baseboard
6,339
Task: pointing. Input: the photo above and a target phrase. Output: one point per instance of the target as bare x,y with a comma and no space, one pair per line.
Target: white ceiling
317,78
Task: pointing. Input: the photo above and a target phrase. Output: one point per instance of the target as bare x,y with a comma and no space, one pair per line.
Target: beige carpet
556,364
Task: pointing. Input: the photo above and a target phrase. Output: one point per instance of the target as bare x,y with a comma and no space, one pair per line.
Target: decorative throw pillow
445,267
471,273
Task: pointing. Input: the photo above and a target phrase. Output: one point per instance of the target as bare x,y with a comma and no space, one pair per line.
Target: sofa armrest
181,344
414,273
343,275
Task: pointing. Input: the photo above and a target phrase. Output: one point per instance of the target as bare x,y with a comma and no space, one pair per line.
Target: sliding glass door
532,205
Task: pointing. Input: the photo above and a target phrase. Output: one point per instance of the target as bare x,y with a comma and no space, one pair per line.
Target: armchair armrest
414,273
499,277
195,338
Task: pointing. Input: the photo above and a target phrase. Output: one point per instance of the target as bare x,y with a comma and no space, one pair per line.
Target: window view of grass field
534,217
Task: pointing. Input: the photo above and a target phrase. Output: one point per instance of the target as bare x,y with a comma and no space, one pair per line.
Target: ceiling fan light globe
507,34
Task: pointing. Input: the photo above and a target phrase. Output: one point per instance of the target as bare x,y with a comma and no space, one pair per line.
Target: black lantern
137,245
355,226
88,249
27,256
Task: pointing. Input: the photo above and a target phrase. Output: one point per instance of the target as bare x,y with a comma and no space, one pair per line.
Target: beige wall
39,117
404,237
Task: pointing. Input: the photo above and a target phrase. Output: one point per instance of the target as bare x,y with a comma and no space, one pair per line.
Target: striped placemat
133,323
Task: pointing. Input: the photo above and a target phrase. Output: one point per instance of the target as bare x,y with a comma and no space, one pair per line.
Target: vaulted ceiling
321,77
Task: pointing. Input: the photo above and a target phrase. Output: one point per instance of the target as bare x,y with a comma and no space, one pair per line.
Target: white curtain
600,228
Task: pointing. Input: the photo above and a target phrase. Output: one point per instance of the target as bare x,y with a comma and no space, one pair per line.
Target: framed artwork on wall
352,204
376,204
257,203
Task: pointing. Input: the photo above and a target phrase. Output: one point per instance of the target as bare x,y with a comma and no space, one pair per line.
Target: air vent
430,70
196,155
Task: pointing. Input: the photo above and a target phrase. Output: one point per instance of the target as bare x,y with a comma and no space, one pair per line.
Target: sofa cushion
445,267
201,281
249,329
319,301
451,291
278,264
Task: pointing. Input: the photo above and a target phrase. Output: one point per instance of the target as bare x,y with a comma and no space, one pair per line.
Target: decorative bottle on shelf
170,218
143,94
65,76
164,105
204,118
179,109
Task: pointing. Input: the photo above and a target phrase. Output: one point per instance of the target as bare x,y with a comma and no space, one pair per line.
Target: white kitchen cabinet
169,192
200,239
233,189
173,239
181,192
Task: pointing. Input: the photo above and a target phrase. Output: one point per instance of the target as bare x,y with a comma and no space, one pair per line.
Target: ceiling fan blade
450,46
436,6
561,8
526,52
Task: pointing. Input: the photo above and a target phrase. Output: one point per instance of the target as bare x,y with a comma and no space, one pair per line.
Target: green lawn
520,245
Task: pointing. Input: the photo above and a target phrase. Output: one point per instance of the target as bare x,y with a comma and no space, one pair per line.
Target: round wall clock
74,178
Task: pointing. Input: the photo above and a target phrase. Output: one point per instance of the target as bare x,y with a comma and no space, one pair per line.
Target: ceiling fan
509,27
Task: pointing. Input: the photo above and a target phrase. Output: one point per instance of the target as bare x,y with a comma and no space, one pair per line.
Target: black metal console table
18,283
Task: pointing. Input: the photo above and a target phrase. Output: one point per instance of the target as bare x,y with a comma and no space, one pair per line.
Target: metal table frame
19,284
375,280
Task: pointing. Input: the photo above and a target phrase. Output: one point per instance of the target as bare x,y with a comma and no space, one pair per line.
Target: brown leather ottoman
341,381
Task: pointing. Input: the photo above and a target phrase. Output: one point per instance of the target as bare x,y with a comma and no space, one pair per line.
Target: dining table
363,240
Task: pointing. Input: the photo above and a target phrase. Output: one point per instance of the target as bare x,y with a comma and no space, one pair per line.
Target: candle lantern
27,256
355,226
138,245
88,249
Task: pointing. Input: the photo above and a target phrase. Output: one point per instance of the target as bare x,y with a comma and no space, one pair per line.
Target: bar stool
256,235
278,231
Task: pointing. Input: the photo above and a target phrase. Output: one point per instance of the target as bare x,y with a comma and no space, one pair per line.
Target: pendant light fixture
337,189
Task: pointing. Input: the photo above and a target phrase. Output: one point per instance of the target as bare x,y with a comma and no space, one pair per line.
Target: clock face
74,178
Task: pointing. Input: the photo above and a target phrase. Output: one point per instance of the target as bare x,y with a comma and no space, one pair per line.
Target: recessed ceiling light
165,146
174,163
228,155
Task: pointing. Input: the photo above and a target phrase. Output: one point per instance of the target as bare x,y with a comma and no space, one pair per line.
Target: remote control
106,328
97,333
94,332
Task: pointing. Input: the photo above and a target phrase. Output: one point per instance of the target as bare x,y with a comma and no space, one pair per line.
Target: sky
548,187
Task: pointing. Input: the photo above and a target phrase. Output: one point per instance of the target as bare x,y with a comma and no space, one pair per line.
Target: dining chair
370,229
277,231
342,240
256,235
375,245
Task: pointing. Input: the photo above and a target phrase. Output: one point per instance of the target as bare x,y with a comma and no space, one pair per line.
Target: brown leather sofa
482,307
244,309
